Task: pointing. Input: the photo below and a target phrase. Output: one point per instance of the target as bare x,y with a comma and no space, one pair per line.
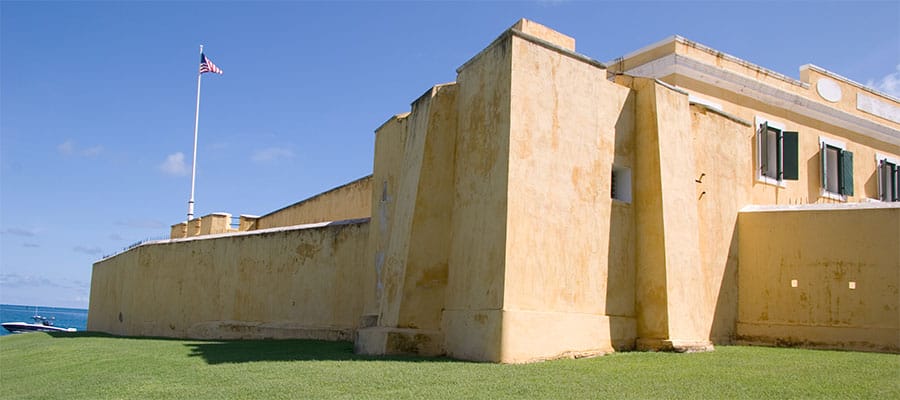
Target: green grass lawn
86,365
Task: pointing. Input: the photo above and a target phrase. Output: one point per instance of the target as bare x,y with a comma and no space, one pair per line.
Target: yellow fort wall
288,283
472,317
820,276
348,201
565,121
411,240
494,234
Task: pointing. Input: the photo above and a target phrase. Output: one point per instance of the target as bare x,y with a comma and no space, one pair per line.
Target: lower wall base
270,330
535,336
885,340
678,346
384,341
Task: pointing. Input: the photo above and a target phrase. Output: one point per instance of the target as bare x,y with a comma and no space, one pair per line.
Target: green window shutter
789,157
822,166
763,147
846,177
895,182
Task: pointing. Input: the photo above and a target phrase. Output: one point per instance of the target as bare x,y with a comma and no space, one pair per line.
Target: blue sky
97,100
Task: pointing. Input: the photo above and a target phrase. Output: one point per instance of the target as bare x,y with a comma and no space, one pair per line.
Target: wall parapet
237,285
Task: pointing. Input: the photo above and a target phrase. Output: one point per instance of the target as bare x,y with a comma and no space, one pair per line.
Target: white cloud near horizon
174,165
271,154
142,224
13,280
69,147
889,83
87,250
19,232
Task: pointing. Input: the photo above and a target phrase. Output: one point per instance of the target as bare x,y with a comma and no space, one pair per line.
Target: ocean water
65,317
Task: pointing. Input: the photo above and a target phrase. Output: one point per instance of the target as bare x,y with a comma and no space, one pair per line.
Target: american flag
207,66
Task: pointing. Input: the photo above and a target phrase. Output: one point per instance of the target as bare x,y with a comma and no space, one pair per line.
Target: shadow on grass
240,351
89,334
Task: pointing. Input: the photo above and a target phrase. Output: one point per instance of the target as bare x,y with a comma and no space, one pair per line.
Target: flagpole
190,214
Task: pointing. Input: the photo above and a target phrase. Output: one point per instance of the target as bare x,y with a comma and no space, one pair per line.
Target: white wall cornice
754,89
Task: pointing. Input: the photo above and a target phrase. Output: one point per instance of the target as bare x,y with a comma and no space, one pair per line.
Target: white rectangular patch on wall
877,107
852,285
793,283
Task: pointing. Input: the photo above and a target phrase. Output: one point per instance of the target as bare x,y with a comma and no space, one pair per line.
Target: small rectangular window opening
621,184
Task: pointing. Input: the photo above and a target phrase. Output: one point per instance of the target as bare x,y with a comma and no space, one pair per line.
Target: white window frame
823,142
878,159
758,140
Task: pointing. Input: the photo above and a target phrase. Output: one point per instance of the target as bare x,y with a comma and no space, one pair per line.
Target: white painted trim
877,107
774,124
709,50
818,207
846,80
831,195
829,90
708,103
645,49
655,69
769,181
890,159
754,89
832,142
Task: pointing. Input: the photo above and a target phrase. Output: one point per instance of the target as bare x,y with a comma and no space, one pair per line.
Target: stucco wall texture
269,284
820,277
545,205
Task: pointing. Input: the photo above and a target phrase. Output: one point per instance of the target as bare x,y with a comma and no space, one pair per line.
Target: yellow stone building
548,205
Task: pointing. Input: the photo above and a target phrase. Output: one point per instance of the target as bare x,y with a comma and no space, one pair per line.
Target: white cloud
889,83
19,232
92,151
87,250
14,280
142,224
174,165
67,147
271,154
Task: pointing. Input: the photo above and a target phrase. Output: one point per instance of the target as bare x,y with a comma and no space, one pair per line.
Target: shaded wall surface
820,276
291,283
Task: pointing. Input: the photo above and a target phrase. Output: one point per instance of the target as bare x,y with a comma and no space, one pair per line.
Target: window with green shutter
837,169
888,178
777,153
